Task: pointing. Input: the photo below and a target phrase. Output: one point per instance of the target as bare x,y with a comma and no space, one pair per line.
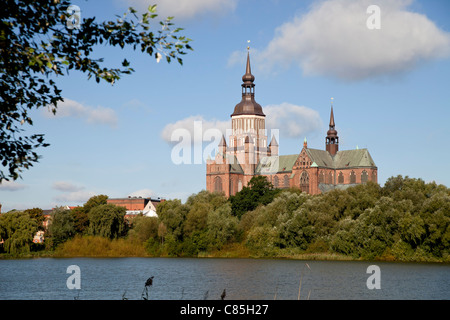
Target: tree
172,214
80,219
61,227
144,228
95,201
17,230
222,227
39,41
38,215
107,220
259,191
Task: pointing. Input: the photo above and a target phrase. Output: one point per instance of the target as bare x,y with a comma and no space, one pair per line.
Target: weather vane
248,46
332,100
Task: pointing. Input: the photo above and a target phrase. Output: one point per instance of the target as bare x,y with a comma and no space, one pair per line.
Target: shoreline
222,255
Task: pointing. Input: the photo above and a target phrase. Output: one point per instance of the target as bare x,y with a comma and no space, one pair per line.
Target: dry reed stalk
301,278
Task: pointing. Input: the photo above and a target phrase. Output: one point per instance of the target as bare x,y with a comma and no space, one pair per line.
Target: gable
353,158
322,158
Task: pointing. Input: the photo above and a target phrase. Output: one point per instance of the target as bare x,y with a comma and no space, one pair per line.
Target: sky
387,72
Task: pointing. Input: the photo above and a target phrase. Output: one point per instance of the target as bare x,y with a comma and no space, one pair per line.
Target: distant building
313,171
137,205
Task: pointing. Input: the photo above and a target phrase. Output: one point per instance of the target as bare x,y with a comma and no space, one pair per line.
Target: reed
301,278
93,246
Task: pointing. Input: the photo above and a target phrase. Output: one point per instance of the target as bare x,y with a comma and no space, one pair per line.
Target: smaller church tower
332,139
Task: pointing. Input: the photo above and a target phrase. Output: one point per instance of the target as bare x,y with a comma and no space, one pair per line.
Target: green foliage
61,227
37,214
17,230
406,220
203,223
107,220
258,192
94,202
80,220
144,228
172,214
222,227
37,44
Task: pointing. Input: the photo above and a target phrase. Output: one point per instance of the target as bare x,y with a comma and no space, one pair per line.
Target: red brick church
312,170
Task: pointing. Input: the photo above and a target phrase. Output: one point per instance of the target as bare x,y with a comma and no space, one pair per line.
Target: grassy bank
100,247
94,246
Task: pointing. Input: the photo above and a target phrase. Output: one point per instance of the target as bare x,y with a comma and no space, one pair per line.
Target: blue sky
390,88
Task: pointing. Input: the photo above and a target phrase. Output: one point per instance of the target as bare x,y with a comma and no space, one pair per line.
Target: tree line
405,220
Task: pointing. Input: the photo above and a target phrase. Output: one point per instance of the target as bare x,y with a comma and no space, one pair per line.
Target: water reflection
196,279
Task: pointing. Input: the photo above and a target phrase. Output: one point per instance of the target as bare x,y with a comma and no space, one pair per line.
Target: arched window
341,178
286,181
239,185
374,176
304,182
218,184
352,177
364,177
231,187
330,178
275,182
322,177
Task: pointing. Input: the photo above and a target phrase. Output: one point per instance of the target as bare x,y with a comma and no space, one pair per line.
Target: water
197,279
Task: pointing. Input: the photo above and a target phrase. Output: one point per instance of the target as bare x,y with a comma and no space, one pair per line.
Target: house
137,205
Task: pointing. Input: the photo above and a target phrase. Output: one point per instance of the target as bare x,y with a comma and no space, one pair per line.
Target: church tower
332,139
248,139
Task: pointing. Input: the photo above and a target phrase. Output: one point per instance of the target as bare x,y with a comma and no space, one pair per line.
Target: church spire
332,125
332,139
248,105
248,78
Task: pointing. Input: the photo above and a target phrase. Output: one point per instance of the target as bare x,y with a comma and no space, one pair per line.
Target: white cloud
69,198
333,39
11,186
97,115
291,120
196,127
66,186
185,9
144,193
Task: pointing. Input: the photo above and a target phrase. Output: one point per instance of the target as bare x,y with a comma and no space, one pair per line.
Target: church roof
353,158
320,158
343,159
276,164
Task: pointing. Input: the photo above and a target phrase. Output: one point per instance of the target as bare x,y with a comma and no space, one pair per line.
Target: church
247,154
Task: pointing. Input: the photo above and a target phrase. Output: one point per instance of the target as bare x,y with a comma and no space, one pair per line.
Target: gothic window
352,177
275,182
304,182
322,177
330,178
374,176
218,184
239,185
231,187
364,177
341,178
286,181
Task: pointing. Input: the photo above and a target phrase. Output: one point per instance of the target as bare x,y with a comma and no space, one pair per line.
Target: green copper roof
276,164
343,159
